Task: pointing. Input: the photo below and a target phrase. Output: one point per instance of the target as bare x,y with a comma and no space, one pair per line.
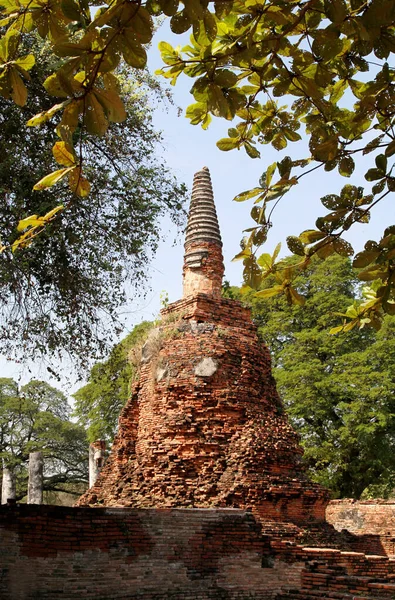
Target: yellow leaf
56,87
273,291
78,184
26,62
36,221
31,221
51,179
24,240
296,298
63,154
18,89
53,212
71,114
43,117
335,330
95,118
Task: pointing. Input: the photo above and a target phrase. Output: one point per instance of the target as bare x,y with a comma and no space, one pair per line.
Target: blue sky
187,149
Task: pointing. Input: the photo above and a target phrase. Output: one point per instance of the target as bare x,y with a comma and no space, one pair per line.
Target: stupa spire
203,262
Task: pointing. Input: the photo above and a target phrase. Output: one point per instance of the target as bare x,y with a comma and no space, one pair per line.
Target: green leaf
295,297
343,247
325,151
381,163
251,150
112,104
346,166
71,9
295,245
210,25
373,174
269,174
169,7
225,78
180,22
336,10
227,144
55,87
276,252
311,235
216,101
371,273
336,330
245,253
390,149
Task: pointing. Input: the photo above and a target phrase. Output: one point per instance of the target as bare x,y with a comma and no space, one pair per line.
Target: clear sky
187,149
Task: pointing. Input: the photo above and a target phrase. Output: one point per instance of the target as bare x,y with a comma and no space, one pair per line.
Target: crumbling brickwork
204,425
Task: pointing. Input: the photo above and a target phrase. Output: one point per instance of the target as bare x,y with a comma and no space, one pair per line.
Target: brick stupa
204,426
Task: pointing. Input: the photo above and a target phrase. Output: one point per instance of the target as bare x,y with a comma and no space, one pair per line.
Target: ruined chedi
204,425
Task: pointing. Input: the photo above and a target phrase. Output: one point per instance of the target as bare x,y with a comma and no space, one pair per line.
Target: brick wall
50,552
372,521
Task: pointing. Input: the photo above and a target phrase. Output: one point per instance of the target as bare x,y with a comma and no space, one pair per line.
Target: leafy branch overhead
85,81
327,60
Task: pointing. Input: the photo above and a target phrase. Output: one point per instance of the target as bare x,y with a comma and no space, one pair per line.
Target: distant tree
99,402
338,390
62,293
36,417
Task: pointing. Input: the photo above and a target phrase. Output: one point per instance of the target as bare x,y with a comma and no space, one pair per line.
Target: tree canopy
99,402
338,391
36,417
280,70
62,292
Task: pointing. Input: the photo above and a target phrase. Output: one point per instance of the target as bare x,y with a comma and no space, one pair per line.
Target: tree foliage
36,417
99,402
63,291
338,391
327,60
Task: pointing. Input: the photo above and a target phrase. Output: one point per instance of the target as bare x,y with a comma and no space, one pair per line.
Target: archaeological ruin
204,495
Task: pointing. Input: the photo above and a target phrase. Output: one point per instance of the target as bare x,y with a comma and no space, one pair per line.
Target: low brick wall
372,521
61,553
50,552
